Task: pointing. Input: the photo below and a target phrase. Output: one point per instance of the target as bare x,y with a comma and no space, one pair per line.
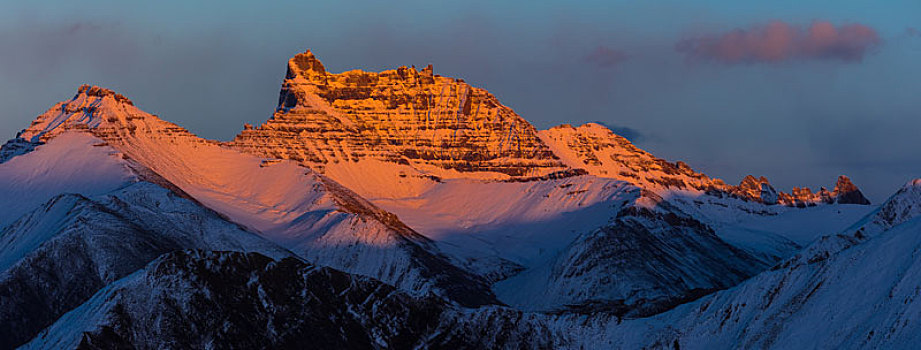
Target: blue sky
800,120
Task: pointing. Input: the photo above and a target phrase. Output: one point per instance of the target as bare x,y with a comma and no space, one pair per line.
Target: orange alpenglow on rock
424,127
404,115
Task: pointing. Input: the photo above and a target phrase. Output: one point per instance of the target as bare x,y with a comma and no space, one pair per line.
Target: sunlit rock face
845,192
759,189
602,153
406,116
429,125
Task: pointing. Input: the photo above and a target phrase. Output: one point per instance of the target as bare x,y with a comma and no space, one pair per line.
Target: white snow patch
74,162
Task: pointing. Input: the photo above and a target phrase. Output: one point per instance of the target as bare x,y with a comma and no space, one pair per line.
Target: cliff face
405,116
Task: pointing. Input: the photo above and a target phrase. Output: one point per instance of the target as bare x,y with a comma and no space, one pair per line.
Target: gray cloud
778,41
47,48
605,57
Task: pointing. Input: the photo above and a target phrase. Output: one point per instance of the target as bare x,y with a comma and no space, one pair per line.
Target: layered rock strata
406,116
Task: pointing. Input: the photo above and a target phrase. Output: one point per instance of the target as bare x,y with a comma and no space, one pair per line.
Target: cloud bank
605,57
778,41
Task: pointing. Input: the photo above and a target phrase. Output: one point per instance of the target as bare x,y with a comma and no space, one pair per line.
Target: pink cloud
605,57
778,41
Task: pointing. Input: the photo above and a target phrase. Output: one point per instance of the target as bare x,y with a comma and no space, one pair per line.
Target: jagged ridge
602,153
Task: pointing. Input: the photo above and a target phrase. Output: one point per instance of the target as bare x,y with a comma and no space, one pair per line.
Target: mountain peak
100,111
601,152
848,193
91,107
305,64
845,192
844,183
406,116
902,206
757,188
916,183
100,92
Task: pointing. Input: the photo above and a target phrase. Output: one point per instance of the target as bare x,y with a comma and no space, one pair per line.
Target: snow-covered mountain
859,297
405,209
200,299
56,256
681,258
859,294
293,206
434,151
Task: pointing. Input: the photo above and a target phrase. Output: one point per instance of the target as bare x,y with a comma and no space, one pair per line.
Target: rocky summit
405,115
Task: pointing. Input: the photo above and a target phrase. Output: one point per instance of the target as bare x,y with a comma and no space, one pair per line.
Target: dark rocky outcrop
848,193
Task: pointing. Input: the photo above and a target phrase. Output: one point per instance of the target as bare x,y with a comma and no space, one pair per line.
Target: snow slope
496,226
301,210
861,297
769,233
75,163
56,256
554,239
862,294
646,260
